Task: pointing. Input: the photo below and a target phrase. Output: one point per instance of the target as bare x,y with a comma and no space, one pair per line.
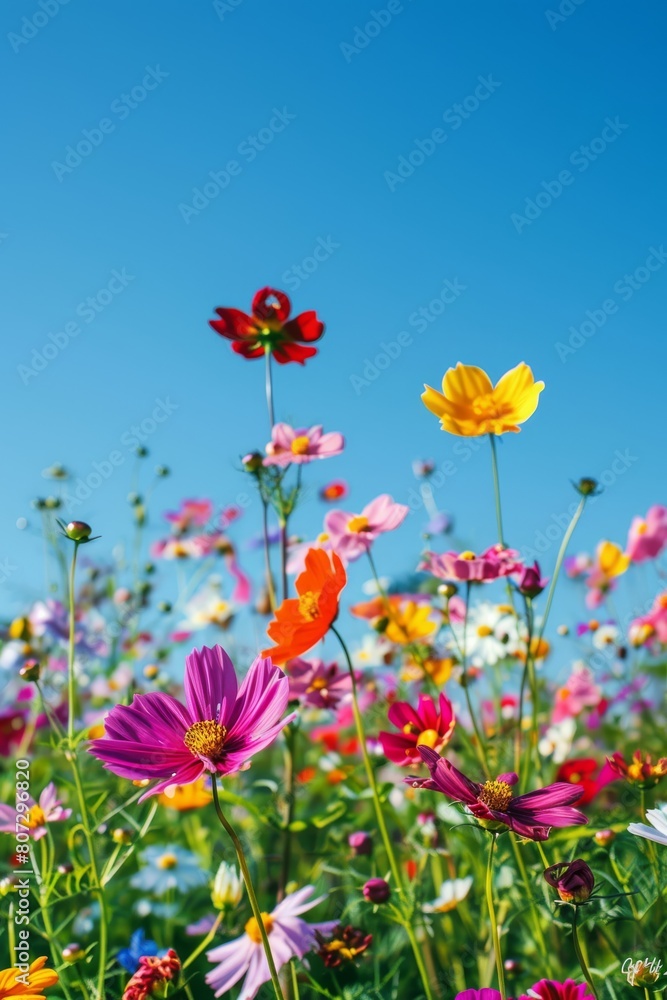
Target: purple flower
316,684
361,843
573,880
376,890
288,935
531,583
492,802
550,989
486,993
218,730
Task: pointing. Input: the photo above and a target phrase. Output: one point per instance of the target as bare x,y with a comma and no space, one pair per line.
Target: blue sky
513,152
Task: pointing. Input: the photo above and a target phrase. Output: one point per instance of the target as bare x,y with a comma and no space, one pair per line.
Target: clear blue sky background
356,112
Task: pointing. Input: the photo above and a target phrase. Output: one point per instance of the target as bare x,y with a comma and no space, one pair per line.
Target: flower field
386,792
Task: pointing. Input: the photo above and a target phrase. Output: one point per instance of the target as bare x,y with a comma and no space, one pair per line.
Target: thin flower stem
384,833
496,490
269,388
205,943
283,557
579,953
295,981
290,782
257,913
539,935
559,562
70,655
495,938
267,555
480,748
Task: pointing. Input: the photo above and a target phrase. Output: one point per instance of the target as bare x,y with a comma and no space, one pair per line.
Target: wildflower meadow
417,811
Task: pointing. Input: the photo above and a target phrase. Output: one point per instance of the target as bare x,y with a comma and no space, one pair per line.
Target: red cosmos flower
586,772
428,725
269,329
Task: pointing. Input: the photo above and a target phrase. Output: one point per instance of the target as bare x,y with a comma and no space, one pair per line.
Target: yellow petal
611,559
518,391
465,382
433,400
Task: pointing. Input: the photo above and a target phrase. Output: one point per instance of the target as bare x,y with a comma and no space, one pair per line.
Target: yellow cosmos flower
409,623
184,797
28,985
611,559
470,405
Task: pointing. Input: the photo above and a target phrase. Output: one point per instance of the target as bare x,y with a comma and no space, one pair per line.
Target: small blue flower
139,945
167,868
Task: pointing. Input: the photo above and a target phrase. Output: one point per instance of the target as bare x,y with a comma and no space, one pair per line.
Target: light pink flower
37,815
579,692
647,537
296,445
217,731
191,513
467,567
316,684
351,535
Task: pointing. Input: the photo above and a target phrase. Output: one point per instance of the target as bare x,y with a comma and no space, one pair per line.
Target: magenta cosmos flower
647,536
218,730
428,725
550,989
350,535
296,445
316,684
289,937
37,815
466,567
493,803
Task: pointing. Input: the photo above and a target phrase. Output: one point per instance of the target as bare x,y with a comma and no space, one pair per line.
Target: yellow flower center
486,406
308,608
300,445
318,684
496,795
252,927
206,739
35,818
468,555
322,537
428,738
642,528
357,524
483,631
167,861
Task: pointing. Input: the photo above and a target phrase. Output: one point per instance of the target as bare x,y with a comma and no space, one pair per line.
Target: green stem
480,747
283,556
70,655
295,981
267,555
496,490
539,935
559,562
205,943
495,938
268,385
257,913
290,782
579,953
384,833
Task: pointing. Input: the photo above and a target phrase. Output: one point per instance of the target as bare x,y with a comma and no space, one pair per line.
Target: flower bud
73,953
78,531
448,590
53,503
563,630
141,452
512,967
644,974
604,837
121,835
531,583
165,607
573,880
227,887
587,487
162,471
380,625
253,462
361,843
65,869
376,890
151,670
30,670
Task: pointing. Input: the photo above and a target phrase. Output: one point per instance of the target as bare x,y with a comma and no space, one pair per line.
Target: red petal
233,324
247,350
306,327
266,310
287,352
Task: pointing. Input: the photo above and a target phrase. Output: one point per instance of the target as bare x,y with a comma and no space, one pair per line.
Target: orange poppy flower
300,622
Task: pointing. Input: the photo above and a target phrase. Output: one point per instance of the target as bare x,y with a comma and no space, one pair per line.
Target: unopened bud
376,890
78,531
587,487
151,670
604,837
121,835
73,953
30,670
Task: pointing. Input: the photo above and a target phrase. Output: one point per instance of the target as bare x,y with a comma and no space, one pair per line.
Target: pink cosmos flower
428,725
470,568
316,684
579,692
576,566
38,814
651,629
289,937
353,534
217,731
648,536
294,446
531,815
550,989
191,514
486,993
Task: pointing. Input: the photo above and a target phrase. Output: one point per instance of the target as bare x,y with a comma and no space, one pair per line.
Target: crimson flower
427,725
492,803
269,328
